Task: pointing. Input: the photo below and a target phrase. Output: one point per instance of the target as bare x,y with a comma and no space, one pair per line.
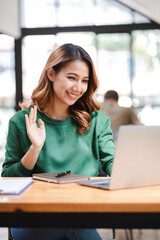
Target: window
7,74
36,50
146,91
7,88
114,62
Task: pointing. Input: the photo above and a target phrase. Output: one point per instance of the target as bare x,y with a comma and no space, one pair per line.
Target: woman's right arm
37,137
16,163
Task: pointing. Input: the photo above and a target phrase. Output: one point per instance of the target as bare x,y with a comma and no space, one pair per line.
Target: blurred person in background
117,114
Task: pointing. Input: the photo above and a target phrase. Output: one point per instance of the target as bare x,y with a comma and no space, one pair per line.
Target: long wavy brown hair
42,95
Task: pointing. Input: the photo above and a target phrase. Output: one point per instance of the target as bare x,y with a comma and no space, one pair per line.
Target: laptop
137,159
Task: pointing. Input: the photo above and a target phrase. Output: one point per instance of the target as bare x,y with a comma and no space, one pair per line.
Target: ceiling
10,18
10,13
149,8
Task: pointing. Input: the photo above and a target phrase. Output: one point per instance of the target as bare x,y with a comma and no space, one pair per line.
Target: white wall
10,18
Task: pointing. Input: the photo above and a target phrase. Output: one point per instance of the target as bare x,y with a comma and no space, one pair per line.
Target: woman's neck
57,114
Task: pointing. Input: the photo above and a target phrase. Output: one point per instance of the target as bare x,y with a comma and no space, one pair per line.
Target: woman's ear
50,74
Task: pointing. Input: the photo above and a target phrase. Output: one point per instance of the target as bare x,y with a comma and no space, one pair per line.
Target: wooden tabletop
71,197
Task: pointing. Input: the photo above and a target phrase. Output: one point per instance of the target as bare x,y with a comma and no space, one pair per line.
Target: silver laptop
137,159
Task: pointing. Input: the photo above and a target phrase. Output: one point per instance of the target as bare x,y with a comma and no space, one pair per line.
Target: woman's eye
72,78
85,81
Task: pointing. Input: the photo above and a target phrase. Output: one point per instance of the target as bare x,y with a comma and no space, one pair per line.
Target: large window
7,87
36,50
7,73
128,62
146,50
114,63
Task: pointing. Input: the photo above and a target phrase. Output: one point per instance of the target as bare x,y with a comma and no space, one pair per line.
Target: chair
114,233
10,237
10,234
65,238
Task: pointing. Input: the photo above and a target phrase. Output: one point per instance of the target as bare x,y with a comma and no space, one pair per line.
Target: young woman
61,129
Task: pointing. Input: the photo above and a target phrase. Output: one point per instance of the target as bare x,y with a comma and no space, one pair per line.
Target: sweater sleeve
12,166
106,147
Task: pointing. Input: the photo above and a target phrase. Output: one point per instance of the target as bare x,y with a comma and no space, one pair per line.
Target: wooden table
71,205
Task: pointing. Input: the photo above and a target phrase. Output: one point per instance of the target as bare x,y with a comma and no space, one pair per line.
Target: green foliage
142,40
141,47
113,42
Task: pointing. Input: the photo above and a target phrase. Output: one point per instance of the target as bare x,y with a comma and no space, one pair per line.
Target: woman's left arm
106,147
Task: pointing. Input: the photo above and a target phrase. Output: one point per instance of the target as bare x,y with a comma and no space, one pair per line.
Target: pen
62,174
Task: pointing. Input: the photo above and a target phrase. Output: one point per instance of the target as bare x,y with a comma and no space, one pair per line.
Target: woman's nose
77,86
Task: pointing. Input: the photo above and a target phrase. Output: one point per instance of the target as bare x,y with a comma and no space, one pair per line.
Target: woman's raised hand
37,135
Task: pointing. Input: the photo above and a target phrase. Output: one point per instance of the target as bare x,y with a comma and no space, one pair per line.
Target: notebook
137,159
51,177
15,185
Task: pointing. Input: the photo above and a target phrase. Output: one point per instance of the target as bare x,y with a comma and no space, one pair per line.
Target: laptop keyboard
100,182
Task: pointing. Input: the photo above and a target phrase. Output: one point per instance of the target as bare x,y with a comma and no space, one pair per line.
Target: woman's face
70,83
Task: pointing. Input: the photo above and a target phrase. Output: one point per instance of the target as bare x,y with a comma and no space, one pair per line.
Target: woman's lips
72,95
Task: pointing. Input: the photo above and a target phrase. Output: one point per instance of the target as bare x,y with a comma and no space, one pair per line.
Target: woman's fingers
27,122
35,114
31,116
31,120
36,134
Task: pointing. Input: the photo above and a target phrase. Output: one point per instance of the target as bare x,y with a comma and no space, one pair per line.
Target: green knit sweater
64,149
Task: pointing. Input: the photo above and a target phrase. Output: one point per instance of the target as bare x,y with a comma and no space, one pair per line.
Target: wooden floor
106,234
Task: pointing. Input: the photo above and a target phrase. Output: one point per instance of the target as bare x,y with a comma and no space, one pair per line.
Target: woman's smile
71,95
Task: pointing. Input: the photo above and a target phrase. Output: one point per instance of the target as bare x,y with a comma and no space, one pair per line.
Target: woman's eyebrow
76,74
72,73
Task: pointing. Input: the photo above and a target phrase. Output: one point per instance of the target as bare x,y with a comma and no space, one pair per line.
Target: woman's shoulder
100,116
19,117
99,119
